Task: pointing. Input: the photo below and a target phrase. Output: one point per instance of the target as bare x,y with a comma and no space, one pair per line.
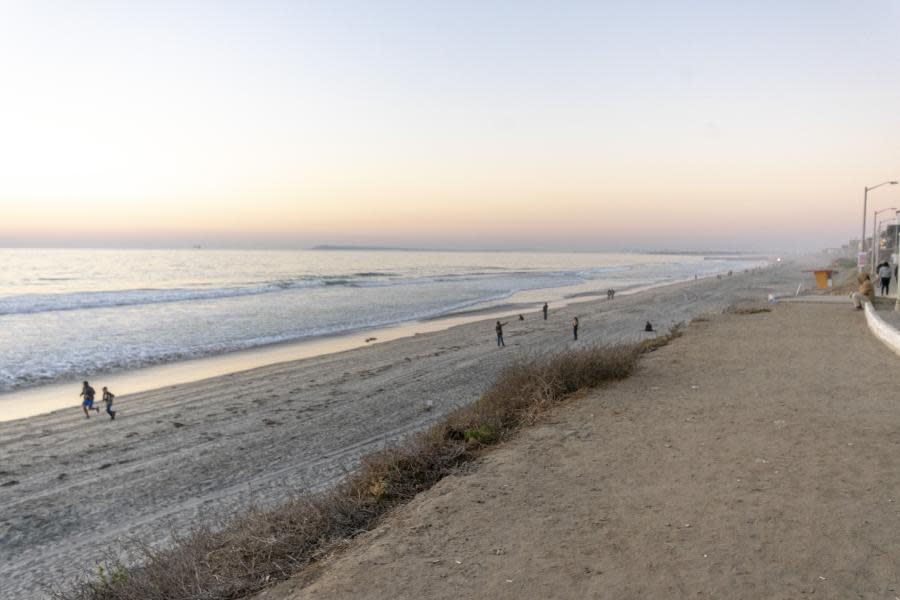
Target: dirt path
756,457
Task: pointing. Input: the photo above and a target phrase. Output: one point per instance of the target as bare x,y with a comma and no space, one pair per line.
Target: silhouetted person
108,397
521,318
545,310
499,329
648,327
575,328
87,392
610,294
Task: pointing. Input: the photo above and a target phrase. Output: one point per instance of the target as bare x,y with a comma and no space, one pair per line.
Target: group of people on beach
87,403
498,327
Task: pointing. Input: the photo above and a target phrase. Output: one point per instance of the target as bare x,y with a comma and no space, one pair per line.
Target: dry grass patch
748,309
237,558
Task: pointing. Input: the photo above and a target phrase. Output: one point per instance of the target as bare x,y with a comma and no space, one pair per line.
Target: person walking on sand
87,392
884,272
575,328
545,310
108,397
499,329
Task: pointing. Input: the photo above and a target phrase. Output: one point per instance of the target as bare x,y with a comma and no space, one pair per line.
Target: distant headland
367,248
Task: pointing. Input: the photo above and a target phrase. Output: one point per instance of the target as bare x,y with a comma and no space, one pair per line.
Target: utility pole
862,241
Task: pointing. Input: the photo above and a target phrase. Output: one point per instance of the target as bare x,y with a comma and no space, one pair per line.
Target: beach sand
755,457
70,487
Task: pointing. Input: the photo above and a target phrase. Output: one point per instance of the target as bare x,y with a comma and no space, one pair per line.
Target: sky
466,124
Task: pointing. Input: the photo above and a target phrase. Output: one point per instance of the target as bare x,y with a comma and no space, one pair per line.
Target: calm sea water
68,314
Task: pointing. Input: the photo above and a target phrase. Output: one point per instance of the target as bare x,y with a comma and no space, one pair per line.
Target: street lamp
876,248
897,250
862,242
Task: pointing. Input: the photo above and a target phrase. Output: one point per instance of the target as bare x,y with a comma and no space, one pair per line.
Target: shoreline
195,452
48,398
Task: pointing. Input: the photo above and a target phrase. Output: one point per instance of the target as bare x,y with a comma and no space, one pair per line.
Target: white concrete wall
883,331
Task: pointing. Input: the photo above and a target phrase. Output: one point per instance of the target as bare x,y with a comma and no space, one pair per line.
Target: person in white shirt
884,271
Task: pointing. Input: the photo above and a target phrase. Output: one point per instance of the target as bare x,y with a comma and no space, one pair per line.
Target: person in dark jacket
499,329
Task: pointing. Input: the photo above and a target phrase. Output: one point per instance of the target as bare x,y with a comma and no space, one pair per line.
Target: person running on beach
499,329
108,397
575,328
884,272
545,310
87,392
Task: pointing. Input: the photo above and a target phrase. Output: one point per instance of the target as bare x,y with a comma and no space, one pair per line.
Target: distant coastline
371,248
709,254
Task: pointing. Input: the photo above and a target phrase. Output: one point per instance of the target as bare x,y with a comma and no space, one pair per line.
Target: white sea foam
72,314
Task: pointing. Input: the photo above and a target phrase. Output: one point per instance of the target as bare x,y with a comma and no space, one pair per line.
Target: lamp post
876,246
897,250
862,241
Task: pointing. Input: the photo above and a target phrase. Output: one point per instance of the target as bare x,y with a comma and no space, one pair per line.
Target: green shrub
483,434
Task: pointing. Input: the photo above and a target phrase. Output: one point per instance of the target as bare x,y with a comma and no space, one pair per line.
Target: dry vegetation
235,559
749,310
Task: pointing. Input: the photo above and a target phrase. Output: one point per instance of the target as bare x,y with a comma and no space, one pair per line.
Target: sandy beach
70,487
753,457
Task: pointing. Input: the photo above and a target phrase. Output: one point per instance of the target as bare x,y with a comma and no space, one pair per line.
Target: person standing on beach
884,271
545,310
499,329
575,328
108,397
87,392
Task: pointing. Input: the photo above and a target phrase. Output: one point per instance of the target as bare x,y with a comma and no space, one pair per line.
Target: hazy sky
595,125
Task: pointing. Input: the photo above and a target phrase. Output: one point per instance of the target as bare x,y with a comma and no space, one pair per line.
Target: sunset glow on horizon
575,125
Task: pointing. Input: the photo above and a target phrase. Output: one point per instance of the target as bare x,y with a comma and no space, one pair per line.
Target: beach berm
187,456
754,457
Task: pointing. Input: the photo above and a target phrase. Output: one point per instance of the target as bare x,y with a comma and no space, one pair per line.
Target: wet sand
70,487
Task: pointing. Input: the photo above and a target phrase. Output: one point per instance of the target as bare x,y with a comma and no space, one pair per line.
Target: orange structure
823,277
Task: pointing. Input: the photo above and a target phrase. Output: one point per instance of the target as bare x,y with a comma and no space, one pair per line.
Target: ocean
72,314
